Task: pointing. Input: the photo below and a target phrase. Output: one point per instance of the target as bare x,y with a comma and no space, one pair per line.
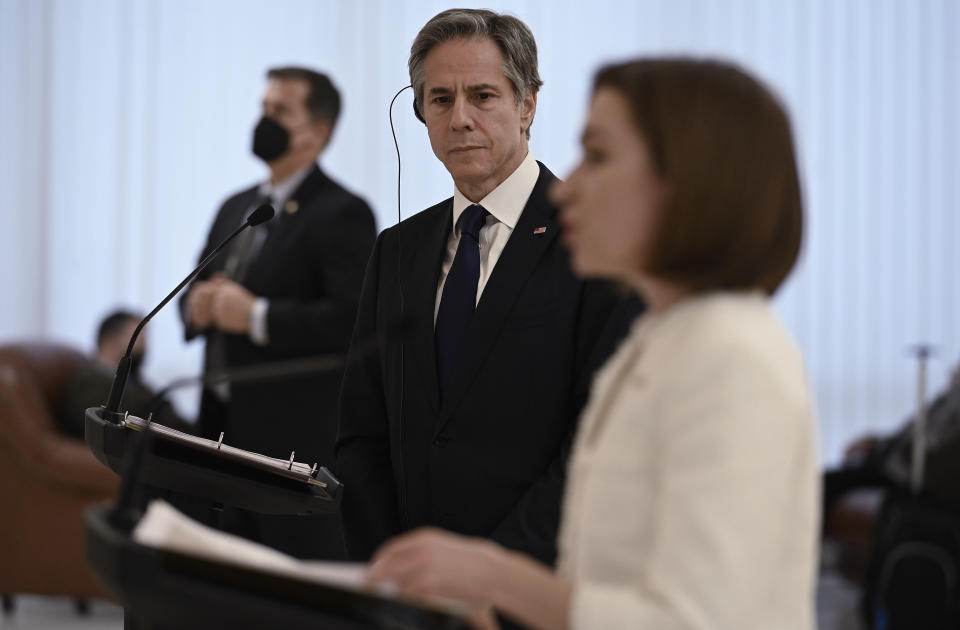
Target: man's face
475,125
285,101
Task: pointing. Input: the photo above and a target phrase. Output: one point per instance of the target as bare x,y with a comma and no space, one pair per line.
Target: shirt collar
505,202
283,190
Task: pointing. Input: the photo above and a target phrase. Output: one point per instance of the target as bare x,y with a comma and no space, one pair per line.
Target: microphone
261,215
112,407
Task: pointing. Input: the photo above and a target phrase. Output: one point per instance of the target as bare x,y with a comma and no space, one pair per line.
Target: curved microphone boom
112,408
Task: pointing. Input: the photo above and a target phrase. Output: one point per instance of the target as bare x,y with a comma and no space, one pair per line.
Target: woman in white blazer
692,492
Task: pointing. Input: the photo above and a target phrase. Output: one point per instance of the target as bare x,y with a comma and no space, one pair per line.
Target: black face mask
270,139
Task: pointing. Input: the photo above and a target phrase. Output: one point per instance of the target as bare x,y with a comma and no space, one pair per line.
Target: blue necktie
459,297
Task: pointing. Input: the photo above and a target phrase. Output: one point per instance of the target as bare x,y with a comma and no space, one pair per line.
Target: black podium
211,474
166,590
162,590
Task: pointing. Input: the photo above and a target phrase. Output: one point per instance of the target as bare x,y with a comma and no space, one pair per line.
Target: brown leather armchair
47,479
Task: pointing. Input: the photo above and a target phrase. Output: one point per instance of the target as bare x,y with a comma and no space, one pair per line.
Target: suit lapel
288,216
527,244
422,256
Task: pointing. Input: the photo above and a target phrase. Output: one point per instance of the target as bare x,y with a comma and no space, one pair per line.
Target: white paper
164,527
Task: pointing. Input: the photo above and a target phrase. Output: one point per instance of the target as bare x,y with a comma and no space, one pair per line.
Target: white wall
123,124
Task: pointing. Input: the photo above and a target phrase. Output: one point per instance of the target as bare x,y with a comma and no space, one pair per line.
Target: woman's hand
433,564
430,563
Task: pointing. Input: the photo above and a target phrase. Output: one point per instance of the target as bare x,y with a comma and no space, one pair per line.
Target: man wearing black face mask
288,289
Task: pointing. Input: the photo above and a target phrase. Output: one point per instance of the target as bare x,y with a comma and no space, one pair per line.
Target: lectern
162,590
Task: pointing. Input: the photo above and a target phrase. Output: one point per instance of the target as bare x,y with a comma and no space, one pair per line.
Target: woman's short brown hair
722,142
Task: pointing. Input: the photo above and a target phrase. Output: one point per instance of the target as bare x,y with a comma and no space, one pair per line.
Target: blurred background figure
895,539
91,381
883,461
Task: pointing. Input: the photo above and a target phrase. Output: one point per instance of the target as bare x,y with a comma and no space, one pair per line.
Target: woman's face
612,199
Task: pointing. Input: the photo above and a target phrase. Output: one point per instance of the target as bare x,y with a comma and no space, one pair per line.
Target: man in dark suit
465,421
285,290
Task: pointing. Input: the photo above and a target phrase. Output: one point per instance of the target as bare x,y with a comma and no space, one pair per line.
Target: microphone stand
112,406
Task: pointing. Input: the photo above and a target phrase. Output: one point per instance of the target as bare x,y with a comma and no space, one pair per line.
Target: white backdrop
124,123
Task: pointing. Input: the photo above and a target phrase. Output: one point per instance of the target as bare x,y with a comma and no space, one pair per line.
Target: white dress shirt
505,204
692,494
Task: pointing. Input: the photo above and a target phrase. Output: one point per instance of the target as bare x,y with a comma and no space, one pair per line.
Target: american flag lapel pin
540,230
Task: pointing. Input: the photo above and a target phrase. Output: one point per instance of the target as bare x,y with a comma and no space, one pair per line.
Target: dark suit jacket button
441,441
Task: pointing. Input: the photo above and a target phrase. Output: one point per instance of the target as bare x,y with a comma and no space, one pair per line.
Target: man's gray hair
512,36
